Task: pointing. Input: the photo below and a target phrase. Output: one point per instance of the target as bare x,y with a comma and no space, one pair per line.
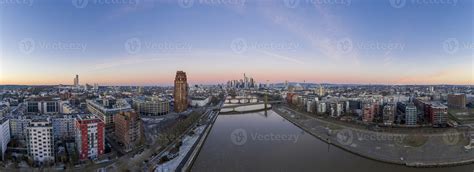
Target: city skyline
144,43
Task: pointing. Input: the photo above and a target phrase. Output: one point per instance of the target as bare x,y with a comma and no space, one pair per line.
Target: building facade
106,108
18,127
128,129
438,115
388,114
457,101
410,114
63,127
40,141
180,92
4,135
151,106
43,106
368,113
90,136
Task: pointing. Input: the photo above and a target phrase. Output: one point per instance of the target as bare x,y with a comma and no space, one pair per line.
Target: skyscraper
180,92
76,81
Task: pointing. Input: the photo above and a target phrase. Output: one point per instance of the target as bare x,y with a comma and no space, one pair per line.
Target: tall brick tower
180,92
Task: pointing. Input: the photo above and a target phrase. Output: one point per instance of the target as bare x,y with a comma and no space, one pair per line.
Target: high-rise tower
76,81
180,92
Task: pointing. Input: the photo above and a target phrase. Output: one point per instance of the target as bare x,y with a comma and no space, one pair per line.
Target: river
267,142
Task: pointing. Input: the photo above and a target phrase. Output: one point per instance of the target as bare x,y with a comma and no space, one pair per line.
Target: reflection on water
268,142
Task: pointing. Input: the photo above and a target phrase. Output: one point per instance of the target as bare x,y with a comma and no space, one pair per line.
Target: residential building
90,136
388,114
410,115
438,114
18,127
368,112
128,129
63,127
457,101
40,141
106,108
4,136
151,106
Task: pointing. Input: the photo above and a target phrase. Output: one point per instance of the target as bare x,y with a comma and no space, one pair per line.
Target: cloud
289,59
124,62
324,36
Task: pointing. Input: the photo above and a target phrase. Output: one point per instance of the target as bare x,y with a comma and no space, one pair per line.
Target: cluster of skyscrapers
245,83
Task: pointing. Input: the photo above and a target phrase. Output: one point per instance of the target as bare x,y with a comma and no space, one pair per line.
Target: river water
267,142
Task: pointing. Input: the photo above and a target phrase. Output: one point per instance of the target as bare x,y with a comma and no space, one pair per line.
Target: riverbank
191,157
412,150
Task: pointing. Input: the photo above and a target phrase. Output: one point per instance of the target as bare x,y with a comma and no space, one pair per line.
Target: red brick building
128,129
180,92
457,101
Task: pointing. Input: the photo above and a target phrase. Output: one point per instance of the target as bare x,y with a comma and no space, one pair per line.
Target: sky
144,42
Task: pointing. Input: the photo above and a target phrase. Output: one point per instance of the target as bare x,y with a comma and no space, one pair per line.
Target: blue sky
335,41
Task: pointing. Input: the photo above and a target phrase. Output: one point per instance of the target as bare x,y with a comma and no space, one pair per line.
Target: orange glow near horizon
453,77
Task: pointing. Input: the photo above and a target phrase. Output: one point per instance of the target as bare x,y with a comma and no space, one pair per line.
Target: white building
321,107
40,141
4,135
200,101
66,108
